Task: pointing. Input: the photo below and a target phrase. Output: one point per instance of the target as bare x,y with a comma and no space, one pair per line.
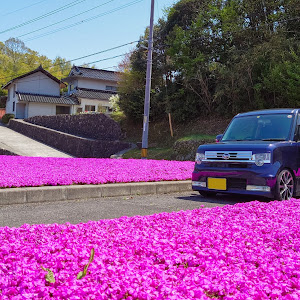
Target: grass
153,153
160,139
198,137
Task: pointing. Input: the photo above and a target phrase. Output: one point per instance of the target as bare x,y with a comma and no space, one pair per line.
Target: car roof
269,111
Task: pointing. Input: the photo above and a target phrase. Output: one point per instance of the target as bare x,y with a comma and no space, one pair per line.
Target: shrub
5,119
118,116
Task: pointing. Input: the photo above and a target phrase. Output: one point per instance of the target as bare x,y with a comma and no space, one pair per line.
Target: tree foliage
16,59
218,57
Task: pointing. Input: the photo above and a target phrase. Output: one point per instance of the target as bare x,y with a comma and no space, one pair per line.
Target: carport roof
39,98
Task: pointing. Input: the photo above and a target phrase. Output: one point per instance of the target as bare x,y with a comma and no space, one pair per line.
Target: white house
37,93
91,88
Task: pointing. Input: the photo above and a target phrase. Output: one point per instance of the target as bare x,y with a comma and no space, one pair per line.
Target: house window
79,110
90,108
62,110
14,105
111,88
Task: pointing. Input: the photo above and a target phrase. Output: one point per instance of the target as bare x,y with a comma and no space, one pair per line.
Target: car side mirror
219,137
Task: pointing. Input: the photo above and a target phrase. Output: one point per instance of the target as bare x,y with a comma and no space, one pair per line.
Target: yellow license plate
216,183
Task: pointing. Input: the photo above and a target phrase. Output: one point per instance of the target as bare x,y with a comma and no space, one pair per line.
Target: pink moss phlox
17,171
245,251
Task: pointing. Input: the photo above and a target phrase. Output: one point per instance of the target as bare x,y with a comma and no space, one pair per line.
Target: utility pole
148,87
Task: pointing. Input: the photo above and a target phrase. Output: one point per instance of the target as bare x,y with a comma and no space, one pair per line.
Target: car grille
228,156
226,165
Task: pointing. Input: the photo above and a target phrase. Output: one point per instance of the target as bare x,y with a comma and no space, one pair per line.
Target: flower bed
37,171
245,251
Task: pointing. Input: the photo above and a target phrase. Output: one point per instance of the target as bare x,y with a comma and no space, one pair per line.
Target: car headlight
199,157
261,158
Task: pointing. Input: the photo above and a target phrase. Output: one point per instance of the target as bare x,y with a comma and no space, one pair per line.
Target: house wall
73,109
72,85
97,103
38,109
38,83
20,110
96,84
9,102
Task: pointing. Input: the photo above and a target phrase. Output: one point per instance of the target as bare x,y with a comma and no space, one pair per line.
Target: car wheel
207,194
285,185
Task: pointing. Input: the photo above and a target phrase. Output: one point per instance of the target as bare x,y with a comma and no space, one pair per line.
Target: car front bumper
252,180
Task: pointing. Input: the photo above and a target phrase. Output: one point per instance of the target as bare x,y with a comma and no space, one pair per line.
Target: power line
66,19
85,20
11,12
109,12
96,61
112,67
106,50
45,15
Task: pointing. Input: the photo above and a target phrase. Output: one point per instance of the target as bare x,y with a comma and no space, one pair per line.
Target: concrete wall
38,109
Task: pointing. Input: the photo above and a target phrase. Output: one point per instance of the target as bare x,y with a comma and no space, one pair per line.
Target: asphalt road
81,211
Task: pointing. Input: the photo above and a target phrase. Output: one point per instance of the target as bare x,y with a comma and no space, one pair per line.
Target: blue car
259,154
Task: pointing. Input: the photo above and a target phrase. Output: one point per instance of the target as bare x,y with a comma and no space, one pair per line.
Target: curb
75,192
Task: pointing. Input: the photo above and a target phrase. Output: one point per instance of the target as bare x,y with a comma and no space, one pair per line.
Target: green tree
16,59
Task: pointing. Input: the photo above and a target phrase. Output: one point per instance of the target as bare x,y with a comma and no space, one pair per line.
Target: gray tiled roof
93,73
28,97
93,94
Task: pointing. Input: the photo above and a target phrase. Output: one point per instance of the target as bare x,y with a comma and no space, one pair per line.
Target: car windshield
273,127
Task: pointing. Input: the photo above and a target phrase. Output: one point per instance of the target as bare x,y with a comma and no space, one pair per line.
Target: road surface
108,208
24,146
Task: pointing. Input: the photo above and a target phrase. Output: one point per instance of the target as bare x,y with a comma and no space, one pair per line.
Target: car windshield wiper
273,139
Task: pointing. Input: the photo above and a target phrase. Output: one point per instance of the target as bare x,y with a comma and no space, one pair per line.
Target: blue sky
118,22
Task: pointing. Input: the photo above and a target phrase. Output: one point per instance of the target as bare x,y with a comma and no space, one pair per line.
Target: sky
89,26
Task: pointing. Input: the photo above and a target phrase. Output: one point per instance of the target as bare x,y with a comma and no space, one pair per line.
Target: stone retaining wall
94,126
74,145
6,152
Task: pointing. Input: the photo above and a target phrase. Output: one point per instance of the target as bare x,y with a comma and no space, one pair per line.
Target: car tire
285,185
207,194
